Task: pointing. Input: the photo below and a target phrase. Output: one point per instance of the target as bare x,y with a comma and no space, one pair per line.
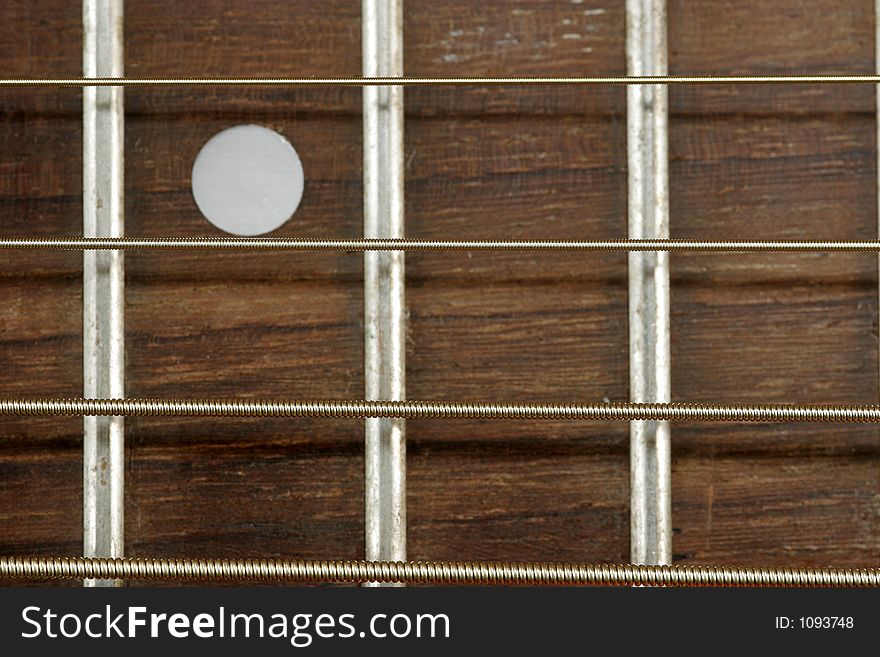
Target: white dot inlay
247,180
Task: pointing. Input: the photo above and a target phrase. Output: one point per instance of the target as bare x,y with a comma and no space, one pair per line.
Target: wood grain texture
521,163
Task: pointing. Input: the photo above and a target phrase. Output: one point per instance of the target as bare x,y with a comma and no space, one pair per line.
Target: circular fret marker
247,180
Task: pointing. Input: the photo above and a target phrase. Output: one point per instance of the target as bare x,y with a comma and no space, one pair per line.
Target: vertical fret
649,350
103,281
384,331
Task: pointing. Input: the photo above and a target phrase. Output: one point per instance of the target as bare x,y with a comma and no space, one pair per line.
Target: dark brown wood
526,162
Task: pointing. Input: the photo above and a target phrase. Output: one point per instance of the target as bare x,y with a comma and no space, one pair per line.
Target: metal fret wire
648,282
445,82
384,280
408,244
431,572
628,411
103,303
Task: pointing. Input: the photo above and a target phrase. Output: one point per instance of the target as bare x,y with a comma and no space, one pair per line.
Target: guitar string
442,81
618,411
409,244
430,572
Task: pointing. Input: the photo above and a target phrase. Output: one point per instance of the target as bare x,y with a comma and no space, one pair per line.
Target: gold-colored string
429,572
440,81
409,244
625,411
